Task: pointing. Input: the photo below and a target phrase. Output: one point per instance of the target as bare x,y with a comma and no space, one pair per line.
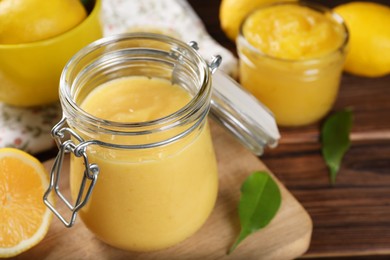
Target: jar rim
314,6
198,100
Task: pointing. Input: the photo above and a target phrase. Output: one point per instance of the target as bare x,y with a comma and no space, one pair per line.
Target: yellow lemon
24,217
23,21
369,27
233,12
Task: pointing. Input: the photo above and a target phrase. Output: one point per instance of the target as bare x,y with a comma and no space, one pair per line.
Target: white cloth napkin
174,17
29,128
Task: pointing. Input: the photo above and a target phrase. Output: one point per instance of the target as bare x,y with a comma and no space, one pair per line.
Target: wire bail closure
90,173
215,62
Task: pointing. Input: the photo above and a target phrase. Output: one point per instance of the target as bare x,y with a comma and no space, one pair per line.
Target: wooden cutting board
286,237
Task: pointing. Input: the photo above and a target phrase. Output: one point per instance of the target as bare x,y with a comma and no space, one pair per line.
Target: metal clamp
90,173
215,61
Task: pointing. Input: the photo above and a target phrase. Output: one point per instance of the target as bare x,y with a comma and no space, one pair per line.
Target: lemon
369,27
23,21
25,219
233,12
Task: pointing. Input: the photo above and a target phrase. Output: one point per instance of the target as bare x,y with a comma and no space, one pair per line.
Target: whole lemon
37,38
233,12
23,21
369,28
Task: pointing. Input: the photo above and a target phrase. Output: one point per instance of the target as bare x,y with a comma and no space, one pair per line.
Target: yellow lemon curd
146,199
291,58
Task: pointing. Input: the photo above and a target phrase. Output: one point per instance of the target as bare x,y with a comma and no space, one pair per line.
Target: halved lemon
24,219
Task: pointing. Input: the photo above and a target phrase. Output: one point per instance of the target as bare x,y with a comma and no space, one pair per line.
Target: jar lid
242,114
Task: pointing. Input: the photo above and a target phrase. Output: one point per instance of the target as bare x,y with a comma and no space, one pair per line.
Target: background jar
297,91
158,179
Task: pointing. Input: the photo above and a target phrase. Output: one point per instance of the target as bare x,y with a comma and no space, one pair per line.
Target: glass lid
242,114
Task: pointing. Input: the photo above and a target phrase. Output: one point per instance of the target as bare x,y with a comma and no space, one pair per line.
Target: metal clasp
90,175
215,61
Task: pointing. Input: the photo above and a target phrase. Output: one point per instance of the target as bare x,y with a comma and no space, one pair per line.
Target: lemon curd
152,198
291,58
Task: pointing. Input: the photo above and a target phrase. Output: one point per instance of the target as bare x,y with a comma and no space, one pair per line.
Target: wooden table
353,217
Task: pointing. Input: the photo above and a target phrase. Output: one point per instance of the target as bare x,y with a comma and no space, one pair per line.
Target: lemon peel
369,47
23,21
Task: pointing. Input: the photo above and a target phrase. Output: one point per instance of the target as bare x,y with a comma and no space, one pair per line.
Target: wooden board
286,237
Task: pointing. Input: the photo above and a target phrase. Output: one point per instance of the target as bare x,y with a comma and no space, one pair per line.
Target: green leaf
259,202
335,140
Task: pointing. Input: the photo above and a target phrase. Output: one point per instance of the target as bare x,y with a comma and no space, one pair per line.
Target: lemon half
25,219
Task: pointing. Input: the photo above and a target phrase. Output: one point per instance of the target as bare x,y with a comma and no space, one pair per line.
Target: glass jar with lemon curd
291,58
143,173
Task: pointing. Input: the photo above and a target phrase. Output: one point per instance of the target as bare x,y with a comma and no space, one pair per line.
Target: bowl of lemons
37,38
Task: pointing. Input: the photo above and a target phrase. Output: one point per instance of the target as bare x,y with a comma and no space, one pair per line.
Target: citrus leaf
259,203
335,140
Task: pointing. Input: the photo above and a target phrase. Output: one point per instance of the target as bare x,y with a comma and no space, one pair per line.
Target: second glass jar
296,65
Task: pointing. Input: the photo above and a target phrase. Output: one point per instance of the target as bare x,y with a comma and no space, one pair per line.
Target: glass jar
299,90
158,179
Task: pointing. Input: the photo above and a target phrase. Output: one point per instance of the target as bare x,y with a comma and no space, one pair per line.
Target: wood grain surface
353,217
286,237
